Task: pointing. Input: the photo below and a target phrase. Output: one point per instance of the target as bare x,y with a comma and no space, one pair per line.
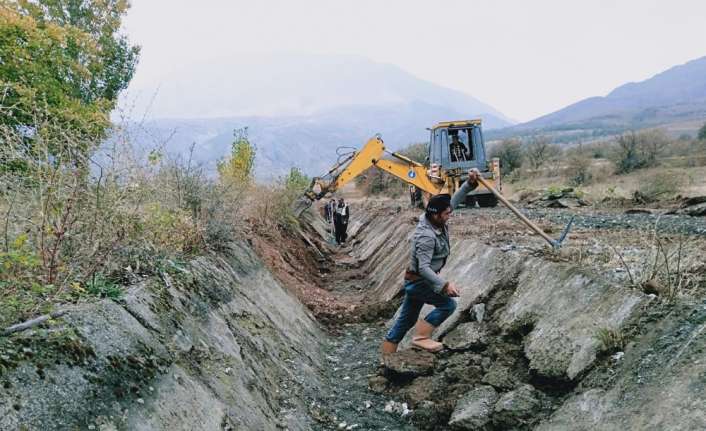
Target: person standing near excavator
422,283
340,220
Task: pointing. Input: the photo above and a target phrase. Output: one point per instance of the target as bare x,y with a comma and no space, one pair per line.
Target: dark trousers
341,234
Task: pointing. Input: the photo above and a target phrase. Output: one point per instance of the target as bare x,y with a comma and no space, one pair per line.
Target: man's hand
451,290
473,175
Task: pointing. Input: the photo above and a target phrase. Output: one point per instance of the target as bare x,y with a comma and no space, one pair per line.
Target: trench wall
559,310
213,344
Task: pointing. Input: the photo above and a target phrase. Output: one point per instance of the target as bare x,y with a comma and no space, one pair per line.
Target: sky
524,58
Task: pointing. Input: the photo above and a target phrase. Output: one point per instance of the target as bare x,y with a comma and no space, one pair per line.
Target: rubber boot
388,347
422,337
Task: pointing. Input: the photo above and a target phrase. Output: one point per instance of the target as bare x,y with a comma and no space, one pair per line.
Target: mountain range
298,109
301,111
677,94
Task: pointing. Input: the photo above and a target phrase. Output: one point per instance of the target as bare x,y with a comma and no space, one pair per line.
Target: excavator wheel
483,201
489,200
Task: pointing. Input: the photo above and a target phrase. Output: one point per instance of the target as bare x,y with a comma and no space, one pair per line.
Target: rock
463,368
654,287
557,203
499,376
397,408
410,363
479,312
473,410
516,407
377,384
428,415
638,211
697,210
565,203
419,390
529,197
693,201
467,336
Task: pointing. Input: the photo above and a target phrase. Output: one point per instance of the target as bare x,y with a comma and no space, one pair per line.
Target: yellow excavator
454,148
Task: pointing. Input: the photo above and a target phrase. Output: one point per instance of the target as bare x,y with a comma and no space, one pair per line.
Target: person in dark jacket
329,209
340,221
422,282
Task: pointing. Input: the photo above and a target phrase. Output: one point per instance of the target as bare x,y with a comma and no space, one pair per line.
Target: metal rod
528,222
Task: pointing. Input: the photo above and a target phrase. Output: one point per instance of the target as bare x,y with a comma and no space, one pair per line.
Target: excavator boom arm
403,168
412,174
363,159
370,155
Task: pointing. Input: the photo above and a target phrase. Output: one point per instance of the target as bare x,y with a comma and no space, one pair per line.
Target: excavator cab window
460,145
439,151
457,147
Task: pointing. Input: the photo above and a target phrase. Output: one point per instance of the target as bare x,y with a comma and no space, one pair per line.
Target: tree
296,181
639,150
510,153
628,158
64,60
702,133
539,150
238,168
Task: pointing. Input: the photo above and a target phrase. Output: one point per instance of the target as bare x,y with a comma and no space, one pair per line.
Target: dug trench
536,342
282,331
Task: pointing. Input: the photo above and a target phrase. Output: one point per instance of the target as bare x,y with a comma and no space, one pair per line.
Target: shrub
579,170
611,340
653,188
417,152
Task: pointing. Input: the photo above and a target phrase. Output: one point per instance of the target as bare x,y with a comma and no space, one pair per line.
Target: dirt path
348,403
352,354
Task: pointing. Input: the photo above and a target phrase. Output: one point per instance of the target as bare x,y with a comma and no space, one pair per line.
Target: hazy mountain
298,109
308,142
676,94
289,84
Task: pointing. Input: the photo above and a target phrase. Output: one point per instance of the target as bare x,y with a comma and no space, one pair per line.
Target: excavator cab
457,146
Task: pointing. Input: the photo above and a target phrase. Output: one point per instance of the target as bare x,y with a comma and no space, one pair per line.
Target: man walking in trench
422,283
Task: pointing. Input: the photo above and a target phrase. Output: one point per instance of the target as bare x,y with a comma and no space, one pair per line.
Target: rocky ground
487,378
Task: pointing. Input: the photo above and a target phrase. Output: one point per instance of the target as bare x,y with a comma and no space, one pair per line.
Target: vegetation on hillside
83,217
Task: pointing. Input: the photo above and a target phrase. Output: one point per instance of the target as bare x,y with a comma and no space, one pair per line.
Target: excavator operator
422,283
458,151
